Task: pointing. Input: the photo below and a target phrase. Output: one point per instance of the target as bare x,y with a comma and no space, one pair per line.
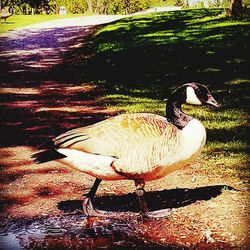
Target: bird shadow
173,198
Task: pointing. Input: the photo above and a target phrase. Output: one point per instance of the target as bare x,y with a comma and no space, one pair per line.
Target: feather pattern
150,136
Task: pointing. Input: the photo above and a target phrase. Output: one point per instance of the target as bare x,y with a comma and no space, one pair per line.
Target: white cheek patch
191,97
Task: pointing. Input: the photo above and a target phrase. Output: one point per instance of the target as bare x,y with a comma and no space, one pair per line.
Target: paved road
40,46
31,88
76,21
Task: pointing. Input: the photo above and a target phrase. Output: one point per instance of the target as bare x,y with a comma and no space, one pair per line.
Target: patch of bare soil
39,202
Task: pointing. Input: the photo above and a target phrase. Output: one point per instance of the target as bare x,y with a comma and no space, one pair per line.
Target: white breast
194,138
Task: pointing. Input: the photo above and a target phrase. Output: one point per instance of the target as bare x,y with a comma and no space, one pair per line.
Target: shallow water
72,232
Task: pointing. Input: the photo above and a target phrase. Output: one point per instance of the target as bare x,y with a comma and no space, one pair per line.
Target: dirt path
36,201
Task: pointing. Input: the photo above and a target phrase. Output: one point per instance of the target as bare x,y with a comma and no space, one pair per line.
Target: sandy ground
209,211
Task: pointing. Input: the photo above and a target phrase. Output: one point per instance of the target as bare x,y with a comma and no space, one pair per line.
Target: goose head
195,94
198,94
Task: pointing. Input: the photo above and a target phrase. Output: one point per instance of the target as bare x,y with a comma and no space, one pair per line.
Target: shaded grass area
139,60
19,21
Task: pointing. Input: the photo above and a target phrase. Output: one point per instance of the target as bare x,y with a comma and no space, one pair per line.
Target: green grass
139,60
19,21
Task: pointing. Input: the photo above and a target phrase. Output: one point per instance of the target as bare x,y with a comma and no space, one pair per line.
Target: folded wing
137,140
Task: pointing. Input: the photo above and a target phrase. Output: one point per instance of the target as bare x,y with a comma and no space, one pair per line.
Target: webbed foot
89,210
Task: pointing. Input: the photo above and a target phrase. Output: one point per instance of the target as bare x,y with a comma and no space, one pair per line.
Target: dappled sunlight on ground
20,91
31,189
47,110
74,109
35,50
39,203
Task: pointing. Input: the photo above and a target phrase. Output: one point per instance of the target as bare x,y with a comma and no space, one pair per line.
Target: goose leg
87,205
140,193
88,208
143,204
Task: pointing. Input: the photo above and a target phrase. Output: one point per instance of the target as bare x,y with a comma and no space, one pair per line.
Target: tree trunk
236,9
97,8
127,6
89,2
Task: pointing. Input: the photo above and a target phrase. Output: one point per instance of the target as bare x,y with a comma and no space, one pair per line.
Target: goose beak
211,101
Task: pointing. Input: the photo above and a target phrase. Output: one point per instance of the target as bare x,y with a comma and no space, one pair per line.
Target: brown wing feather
110,136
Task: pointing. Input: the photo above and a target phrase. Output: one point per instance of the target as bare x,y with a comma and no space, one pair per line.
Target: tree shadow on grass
165,49
157,200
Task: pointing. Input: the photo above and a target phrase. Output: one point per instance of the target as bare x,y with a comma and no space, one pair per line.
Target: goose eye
202,94
198,92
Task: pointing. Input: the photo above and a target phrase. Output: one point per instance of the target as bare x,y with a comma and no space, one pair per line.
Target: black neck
175,115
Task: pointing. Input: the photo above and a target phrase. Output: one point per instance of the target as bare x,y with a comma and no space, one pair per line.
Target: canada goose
141,146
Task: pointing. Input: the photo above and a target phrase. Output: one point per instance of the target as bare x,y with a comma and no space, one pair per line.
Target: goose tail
47,155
